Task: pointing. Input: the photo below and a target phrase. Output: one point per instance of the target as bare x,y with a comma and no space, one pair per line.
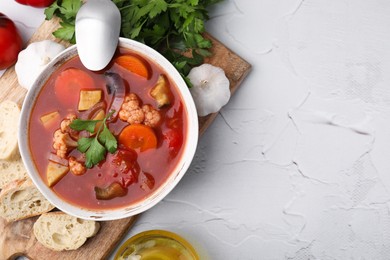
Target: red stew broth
79,190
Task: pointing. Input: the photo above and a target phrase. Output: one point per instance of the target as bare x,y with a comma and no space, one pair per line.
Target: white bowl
190,139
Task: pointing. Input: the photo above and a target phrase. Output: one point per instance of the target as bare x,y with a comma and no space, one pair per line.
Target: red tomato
36,3
69,83
123,166
10,42
175,141
174,135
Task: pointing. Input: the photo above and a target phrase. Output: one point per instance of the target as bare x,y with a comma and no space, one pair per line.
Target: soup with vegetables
107,139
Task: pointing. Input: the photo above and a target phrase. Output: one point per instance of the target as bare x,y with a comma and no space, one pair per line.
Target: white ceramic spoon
98,25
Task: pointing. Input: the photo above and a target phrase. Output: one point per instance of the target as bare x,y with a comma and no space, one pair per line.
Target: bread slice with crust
60,231
11,170
20,199
9,124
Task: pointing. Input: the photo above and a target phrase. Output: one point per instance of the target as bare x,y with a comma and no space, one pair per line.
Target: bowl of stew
108,144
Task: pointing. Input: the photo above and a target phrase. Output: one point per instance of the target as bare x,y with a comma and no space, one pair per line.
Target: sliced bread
60,231
11,170
20,199
9,122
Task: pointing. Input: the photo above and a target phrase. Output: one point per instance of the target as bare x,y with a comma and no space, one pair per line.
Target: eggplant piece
111,191
161,92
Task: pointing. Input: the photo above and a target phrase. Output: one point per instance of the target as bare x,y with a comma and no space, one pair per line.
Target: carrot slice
133,64
138,136
69,83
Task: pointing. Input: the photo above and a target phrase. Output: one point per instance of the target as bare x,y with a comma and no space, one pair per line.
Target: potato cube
55,172
89,98
99,115
49,118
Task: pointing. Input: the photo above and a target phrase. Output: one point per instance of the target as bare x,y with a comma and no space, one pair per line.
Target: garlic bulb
210,89
33,59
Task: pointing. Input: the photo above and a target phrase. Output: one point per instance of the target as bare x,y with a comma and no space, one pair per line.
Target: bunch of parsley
173,27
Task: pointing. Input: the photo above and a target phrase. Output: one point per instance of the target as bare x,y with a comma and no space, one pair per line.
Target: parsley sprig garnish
173,27
95,147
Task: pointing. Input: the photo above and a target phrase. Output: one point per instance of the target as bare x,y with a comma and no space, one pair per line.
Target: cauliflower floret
76,167
66,122
65,128
152,116
131,102
62,142
131,111
135,116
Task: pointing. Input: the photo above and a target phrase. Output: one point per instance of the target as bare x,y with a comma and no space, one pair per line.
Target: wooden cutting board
17,238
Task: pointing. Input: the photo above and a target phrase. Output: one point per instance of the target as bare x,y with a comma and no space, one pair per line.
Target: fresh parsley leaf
66,32
179,64
140,2
84,143
88,125
69,8
198,25
201,42
134,32
158,7
187,80
204,52
95,153
108,140
50,11
95,147
193,2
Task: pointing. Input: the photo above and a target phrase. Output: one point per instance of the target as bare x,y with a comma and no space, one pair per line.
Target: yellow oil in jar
156,245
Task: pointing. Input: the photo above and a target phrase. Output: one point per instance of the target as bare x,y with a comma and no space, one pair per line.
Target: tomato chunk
69,83
138,136
122,167
175,141
174,134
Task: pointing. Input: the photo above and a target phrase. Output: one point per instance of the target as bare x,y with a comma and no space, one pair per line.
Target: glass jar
156,245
